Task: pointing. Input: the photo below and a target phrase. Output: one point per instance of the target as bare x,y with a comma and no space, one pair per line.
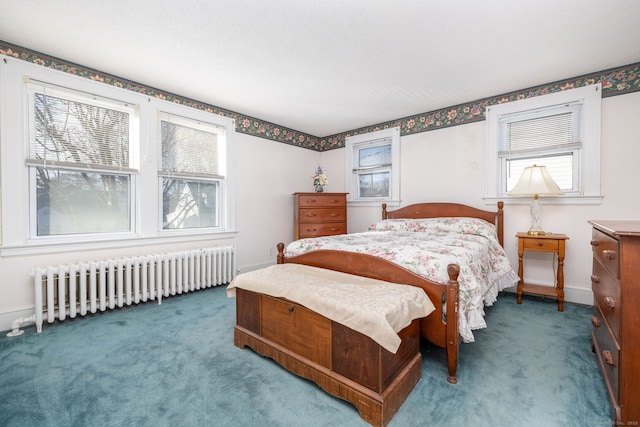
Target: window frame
16,198
589,99
367,140
33,87
204,123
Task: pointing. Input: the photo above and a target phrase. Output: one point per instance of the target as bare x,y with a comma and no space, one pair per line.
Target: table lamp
536,181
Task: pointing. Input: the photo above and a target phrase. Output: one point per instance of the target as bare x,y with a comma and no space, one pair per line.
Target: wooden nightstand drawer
606,294
606,251
546,245
322,201
323,214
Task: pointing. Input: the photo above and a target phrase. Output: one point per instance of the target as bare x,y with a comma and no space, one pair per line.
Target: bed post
384,211
280,258
500,223
451,328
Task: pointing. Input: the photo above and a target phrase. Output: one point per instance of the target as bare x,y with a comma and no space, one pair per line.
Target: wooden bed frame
441,326
344,362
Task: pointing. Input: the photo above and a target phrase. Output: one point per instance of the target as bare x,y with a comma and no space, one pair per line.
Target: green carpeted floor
176,365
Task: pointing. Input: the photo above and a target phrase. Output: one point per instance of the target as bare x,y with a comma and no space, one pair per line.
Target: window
87,165
560,131
373,168
191,172
80,175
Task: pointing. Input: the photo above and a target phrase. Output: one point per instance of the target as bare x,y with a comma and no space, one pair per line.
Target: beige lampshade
535,180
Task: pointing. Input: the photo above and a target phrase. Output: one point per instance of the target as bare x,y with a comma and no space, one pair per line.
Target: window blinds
190,148
71,129
544,131
375,154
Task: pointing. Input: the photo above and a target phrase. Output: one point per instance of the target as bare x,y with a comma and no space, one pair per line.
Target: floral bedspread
426,247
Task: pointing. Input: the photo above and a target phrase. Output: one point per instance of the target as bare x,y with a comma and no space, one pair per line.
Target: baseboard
254,267
575,295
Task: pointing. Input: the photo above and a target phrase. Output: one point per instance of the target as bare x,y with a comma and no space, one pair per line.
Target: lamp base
536,215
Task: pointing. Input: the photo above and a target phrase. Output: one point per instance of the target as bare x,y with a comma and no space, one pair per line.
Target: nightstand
553,243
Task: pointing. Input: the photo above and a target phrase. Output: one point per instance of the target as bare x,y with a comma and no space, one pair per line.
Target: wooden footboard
343,362
440,327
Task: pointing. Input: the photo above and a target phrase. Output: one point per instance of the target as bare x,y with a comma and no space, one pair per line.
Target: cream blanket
372,307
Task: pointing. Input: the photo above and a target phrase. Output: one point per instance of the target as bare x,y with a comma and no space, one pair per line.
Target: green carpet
176,365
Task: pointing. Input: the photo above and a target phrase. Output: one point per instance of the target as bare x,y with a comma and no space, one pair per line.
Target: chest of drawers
616,313
319,214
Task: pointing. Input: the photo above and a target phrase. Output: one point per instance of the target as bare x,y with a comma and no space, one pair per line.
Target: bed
356,337
464,271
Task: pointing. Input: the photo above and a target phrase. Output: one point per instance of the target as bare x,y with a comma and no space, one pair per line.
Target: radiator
89,287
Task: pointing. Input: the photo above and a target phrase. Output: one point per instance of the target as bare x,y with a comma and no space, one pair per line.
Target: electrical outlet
270,251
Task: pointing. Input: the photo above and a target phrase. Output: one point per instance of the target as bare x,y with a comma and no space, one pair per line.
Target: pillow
462,225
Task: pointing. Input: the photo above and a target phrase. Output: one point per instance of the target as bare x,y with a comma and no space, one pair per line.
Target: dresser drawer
608,352
296,328
606,251
321,229
320,200
550,245
323,214
606,294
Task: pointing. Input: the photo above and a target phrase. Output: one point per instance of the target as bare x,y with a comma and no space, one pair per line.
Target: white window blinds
78,130
375,154
190,148
549,130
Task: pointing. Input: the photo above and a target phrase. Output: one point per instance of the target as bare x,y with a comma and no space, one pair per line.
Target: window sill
376,203
60,247
567,200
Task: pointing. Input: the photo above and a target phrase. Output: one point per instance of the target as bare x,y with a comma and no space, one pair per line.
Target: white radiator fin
78,289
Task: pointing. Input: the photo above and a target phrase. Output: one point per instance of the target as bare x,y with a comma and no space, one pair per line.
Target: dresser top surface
621,227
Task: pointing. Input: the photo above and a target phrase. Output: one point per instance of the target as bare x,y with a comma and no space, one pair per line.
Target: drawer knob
540,244
595,279
594,243
312,229
608,358
291,309
610,255
311,201
311,215
333,214
610,302
595,322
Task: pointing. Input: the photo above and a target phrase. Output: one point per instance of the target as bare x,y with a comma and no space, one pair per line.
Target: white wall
449,165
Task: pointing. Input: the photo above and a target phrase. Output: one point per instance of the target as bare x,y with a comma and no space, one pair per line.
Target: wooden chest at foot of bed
345,363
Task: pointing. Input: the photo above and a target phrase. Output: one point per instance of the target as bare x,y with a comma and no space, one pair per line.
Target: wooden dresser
616,319
319,214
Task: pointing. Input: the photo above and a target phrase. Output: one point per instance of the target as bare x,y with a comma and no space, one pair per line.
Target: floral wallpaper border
615,81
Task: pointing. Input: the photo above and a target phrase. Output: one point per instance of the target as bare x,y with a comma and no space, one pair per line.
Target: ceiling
326,67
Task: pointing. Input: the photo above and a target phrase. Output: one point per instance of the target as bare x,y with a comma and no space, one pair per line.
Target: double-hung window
86,165
192,173
373,166
560,131
80,163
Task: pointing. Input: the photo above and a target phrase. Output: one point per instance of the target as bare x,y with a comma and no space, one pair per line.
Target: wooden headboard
436,210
